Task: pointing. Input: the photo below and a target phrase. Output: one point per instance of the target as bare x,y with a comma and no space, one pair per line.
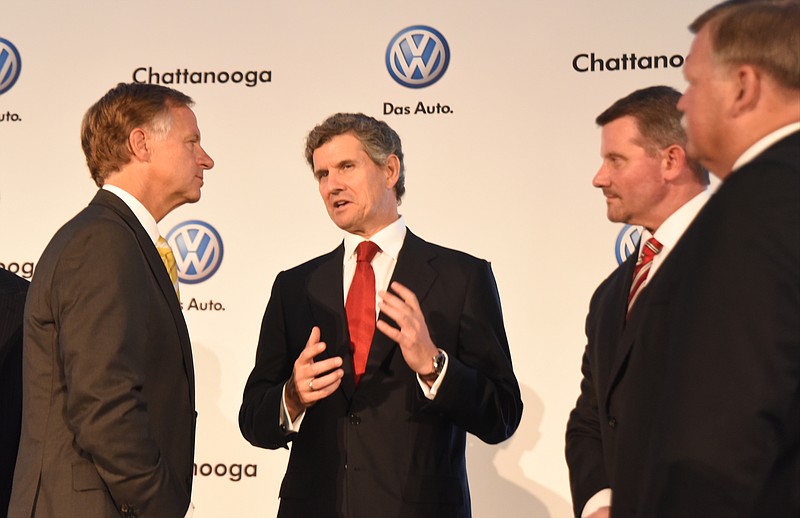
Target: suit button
354,419
612,422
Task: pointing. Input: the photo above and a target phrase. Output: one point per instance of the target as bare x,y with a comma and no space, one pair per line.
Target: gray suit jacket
108,412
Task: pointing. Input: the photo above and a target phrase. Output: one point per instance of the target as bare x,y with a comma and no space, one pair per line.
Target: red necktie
651,248
360,306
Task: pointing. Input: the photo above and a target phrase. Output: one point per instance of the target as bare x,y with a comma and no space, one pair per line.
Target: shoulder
95,226
97,239
440,255
615,280
12,284
304,269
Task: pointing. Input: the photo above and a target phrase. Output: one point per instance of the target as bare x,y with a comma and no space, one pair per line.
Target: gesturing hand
412,336
312,381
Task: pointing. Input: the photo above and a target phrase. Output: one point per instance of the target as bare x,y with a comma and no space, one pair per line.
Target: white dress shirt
671,231
142,214
762,144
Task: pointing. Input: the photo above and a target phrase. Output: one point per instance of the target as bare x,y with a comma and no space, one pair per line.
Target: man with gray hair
378,420
108,417
726,305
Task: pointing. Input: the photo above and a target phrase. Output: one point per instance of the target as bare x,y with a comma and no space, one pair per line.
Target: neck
131,184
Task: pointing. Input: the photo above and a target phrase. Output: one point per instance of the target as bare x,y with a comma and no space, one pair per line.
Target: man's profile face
702,102
629,176
177,160
358,193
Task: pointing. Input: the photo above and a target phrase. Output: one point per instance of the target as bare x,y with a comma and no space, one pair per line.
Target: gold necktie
168,258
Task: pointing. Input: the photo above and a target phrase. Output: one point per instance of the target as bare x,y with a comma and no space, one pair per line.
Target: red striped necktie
651,248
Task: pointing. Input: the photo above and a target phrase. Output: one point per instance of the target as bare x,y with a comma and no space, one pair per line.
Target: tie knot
365,251
652,247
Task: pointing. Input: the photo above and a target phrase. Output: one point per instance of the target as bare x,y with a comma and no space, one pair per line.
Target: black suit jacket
12,304
612,419
724,310
108,411
382,448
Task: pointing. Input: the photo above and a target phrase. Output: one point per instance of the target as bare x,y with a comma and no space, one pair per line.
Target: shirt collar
142,214
389,239
673,227
761,145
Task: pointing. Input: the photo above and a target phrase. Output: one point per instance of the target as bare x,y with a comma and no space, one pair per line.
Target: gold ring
311,384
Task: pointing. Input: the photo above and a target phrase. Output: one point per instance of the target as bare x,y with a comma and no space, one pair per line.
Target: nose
332,183
600,179
680,105
205,160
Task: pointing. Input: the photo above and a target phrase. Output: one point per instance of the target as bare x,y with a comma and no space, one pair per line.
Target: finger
406,294
313,346
324,366
392,311
322,383
322,387
391,332
313,338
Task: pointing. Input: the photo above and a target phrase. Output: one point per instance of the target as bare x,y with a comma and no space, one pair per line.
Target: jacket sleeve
584,445
103,343
259,415
480,392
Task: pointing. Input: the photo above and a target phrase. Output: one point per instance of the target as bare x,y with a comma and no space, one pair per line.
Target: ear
392,170
673,162
747,81
138,145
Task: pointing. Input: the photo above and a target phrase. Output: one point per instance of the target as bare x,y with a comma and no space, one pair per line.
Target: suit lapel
113,202
414,271
623,328
327,307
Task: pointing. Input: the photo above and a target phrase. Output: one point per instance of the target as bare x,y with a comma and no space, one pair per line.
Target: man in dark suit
108,412
378,431
647,180
726,304
12,303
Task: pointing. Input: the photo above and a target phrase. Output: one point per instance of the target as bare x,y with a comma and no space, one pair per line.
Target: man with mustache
647,180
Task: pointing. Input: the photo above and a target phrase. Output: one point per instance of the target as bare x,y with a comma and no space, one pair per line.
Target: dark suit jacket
610,416
12,304
108,412
726,307
383,449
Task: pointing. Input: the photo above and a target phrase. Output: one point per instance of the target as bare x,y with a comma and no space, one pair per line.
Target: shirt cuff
287,426
430,392
600,499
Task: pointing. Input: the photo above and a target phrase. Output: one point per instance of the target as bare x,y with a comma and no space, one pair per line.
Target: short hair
379,141
657,119
763,33
108,123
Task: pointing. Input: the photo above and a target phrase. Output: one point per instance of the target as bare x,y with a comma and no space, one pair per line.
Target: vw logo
627,240
10,65
417,56
198,250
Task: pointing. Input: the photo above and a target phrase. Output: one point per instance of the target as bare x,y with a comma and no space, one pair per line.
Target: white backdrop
505,176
